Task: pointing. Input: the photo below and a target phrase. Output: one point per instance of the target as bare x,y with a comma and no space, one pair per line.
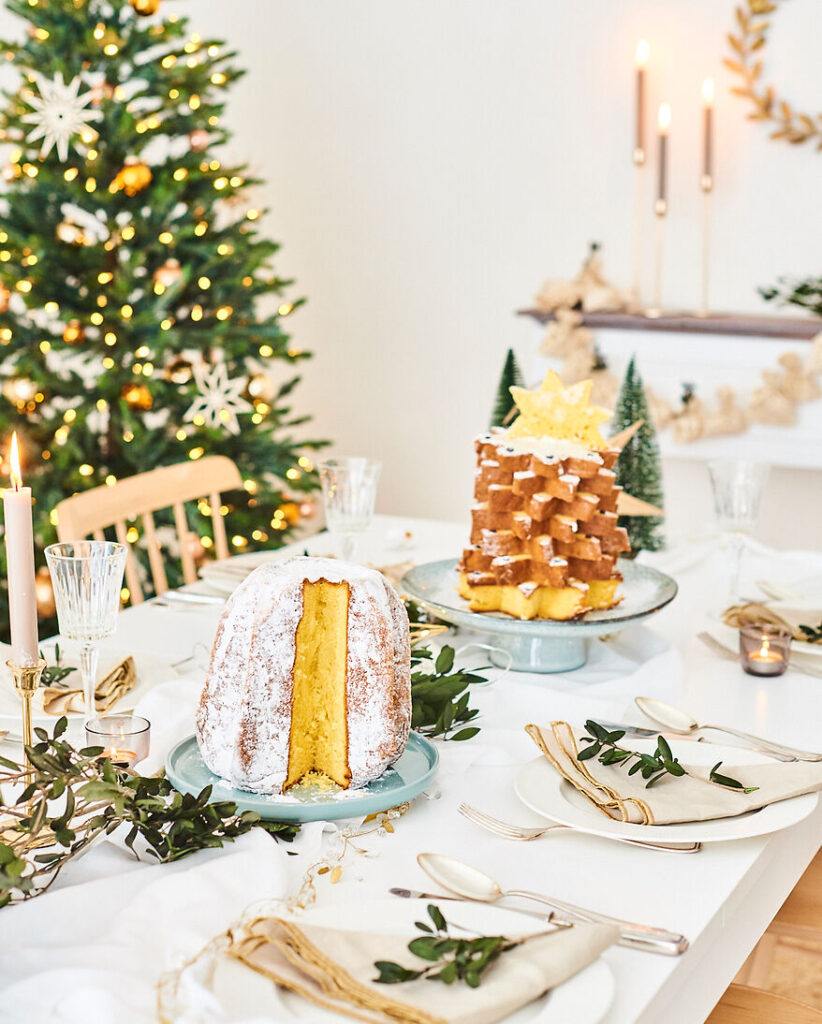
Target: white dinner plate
541,788
150,672
583,999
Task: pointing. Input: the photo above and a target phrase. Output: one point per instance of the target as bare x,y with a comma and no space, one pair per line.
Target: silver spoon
471,884
680,721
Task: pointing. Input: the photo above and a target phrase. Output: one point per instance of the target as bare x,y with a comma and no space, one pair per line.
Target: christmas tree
639,469
504,403
132,271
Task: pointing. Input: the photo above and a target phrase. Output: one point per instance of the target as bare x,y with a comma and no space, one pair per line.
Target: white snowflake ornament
220,399
59,113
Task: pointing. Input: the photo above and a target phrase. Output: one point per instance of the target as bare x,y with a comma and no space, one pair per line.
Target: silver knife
413,894
648,734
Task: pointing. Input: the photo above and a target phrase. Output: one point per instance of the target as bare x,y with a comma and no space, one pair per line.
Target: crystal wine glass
737,487
349,492
87,576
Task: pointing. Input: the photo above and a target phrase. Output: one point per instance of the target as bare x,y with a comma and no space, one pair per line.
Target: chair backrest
91,512
743,1005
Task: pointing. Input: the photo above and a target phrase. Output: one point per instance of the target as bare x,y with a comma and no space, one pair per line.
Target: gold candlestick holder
26,681
706,184
660,209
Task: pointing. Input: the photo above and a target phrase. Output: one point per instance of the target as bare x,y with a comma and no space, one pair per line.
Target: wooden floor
797,971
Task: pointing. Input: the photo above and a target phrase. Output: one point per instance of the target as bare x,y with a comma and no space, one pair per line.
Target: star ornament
59,113
220,399
559,412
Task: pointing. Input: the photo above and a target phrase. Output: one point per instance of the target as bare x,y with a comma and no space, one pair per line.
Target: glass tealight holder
764,650
125,739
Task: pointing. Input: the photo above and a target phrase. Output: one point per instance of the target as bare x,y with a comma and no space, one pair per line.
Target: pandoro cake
309,678
544,536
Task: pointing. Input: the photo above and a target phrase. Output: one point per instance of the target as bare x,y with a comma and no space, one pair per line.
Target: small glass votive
125,739
764,650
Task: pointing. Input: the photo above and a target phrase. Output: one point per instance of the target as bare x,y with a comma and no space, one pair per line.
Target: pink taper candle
20,565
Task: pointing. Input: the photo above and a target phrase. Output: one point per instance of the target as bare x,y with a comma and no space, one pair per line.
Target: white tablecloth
92,949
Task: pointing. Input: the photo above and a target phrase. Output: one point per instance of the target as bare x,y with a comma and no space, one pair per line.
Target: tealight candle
125,739
764,650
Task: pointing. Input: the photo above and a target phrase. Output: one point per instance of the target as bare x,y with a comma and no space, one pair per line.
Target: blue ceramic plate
404,780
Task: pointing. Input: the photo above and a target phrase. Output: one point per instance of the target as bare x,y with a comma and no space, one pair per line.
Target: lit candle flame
664,118
764,650
708,92
14,461
643,51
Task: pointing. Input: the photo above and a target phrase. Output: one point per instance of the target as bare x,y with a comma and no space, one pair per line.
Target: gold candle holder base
26,681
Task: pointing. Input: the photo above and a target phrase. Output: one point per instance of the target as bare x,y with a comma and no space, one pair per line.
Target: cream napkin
335,969
690,797
786,614
59,700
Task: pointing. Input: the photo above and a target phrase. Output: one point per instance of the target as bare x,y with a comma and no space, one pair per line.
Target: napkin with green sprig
654,788
803,619
60,697
443,976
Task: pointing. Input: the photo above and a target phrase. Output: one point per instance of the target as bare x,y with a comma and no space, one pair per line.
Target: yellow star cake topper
559,412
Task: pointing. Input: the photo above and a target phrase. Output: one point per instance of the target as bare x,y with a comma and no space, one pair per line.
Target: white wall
429,162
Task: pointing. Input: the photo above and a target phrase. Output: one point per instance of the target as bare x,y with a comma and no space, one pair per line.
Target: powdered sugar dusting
244,717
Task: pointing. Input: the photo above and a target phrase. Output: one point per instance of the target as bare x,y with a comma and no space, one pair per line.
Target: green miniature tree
141,321
511,376
639,468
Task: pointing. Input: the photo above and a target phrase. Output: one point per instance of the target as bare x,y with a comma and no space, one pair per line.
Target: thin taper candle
20,564
662,189
707,134
642,52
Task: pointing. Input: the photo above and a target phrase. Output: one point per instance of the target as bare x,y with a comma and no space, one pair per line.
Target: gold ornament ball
291,512
261,387
132,178
145,7
198,140
196,549
137,396
74,333
179,371
44,593
167,274
5,296
70,233
19,390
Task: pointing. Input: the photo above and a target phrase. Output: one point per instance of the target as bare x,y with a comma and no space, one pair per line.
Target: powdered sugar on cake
244,717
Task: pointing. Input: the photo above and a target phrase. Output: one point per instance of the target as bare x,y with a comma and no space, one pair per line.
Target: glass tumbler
87,576
737,489
349,492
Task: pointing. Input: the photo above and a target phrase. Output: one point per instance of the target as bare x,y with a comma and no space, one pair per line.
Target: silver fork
525,835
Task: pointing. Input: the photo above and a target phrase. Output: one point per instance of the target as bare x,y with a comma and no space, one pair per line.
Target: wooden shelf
738,324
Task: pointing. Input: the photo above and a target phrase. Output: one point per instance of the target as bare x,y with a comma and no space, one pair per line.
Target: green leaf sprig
53,675
450,959
75,796
440,698
652,767
813,634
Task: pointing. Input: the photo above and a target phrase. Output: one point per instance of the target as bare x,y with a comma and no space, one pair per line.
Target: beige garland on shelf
774,401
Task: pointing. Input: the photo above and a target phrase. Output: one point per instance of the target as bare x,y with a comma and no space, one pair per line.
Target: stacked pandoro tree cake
544,534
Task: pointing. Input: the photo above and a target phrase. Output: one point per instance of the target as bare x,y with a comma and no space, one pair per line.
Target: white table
722,898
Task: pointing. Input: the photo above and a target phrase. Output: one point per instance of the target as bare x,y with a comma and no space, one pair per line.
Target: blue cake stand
540,645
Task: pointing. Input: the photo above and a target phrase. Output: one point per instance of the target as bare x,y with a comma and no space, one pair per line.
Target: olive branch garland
788,124
72,797
439,698
652,767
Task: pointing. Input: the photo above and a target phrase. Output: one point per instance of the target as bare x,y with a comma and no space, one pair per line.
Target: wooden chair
799,917
90,512
744,1005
